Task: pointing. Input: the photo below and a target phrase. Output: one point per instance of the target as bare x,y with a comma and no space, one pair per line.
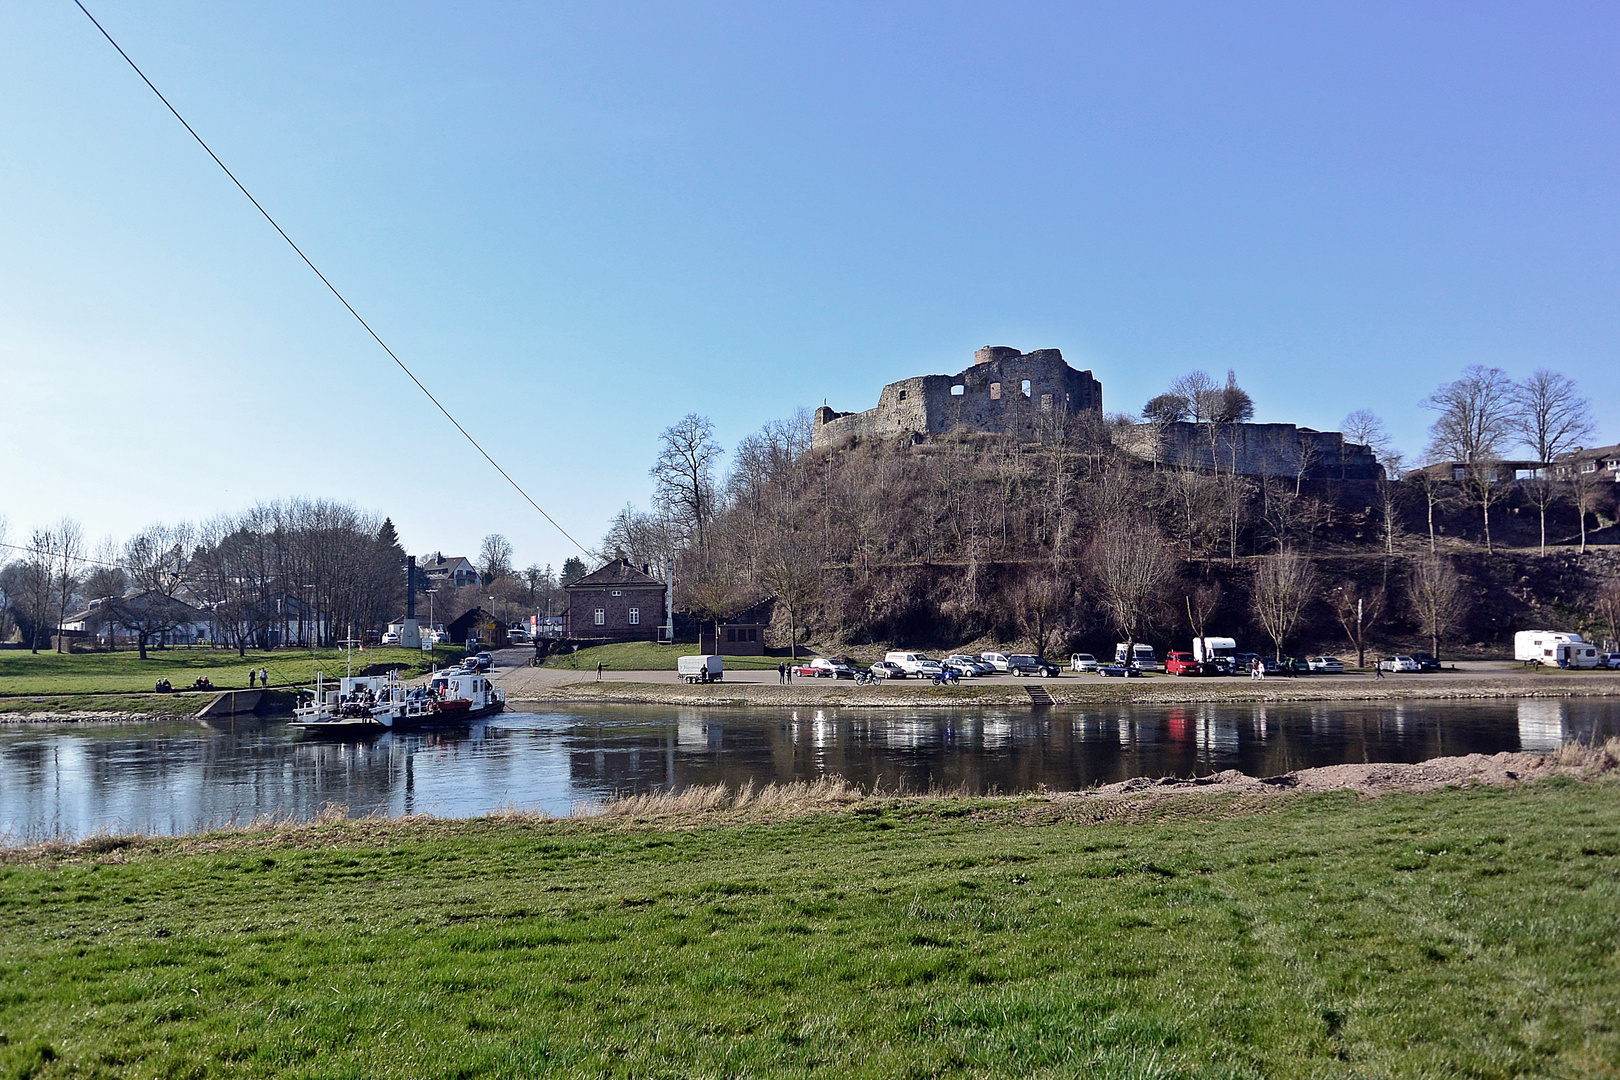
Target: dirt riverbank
760,689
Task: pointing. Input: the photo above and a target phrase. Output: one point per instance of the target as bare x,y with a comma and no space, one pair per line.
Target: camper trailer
1207,650
1144,658
1552,648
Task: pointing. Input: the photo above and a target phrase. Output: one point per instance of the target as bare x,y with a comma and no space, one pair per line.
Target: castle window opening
958,390
902,395
995,391
1025,387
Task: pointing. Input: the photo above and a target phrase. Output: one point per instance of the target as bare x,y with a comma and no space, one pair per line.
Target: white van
1144,660
700,669
913,663
1551,648
997,660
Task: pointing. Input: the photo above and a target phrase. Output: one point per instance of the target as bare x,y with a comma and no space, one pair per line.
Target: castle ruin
1005,391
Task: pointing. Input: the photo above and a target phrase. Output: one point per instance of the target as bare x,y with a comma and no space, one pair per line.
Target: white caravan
1552,648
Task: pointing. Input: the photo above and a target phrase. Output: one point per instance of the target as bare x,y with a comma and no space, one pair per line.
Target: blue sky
578,223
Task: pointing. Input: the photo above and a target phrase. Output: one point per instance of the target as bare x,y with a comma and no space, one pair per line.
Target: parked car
1182,663
437,637
885,670
996,660
1325,665
1425,662
1399,664
373,637
390,638
1220,665
517,636
1118,671
1610,661
927,669
823,667
482,662
965,666
1025,664
1083,661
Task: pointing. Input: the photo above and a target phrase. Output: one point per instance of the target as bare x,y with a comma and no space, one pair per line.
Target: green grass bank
1455,933
122,681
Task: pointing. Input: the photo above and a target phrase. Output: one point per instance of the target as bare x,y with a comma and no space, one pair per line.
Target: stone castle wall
1254,450
1005,391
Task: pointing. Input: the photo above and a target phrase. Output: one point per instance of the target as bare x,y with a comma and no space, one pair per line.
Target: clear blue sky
580,222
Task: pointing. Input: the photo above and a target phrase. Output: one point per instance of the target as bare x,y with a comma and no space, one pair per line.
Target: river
170,778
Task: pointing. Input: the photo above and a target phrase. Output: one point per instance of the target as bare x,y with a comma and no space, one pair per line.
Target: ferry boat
459,694
372,704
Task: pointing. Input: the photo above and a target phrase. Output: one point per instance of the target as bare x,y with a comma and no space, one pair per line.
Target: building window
958,390
601,616
902,395
1588,466
995,391
635,616
731,634
1025,387
616,592
753,635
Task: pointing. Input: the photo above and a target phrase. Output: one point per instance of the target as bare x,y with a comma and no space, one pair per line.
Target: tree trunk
793,635
1544,528
140,641
1487,509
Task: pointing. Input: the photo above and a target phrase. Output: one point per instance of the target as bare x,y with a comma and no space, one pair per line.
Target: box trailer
701,669
1553,648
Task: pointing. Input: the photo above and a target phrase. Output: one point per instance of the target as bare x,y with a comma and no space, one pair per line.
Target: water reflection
172,778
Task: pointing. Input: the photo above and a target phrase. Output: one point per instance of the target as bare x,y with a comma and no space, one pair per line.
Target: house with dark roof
453,571
619,602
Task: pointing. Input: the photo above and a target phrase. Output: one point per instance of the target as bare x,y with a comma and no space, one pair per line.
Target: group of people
784,673
262,675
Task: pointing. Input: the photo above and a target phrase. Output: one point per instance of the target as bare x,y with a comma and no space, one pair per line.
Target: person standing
781,674
1378,669
264,678
251,675
599,671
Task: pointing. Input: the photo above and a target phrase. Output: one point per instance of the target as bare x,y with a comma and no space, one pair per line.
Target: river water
181,777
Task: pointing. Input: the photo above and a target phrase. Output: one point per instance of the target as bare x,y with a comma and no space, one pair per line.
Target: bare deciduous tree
684,475
1549,416
1475,415
1358,608
1132,565
1436,595
1283,584
494,559
1608,608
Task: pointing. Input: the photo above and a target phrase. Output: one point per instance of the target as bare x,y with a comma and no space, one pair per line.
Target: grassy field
53,673
651,656
1458,933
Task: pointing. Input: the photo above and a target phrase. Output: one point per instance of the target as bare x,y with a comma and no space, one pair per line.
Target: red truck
1182,663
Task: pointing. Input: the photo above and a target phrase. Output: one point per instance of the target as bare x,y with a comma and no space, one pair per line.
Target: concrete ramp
231,703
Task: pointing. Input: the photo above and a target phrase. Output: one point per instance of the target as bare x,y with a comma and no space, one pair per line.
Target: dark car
1426,662
482,662
1024,664
1119,671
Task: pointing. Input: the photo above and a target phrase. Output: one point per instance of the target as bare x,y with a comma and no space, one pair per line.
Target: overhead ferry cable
412,375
